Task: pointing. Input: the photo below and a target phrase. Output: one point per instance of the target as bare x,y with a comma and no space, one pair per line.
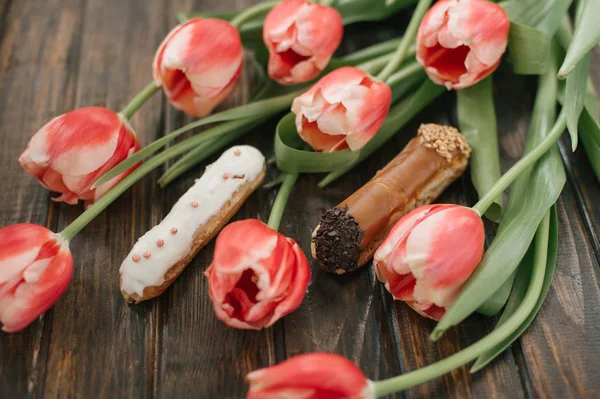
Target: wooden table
56,55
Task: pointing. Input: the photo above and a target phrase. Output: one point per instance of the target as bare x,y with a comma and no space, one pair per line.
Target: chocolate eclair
349,234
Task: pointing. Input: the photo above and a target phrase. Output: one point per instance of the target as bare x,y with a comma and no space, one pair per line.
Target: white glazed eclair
161,254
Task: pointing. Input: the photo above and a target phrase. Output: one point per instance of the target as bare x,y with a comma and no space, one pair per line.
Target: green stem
529,159
328,3
370,52
139,100
489,342
409,70
407,40
282,198
86,217
252,12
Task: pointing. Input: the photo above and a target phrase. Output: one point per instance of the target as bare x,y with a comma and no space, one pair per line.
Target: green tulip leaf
290,158
519,291
575,96
543,15
586,36
529,49
477,121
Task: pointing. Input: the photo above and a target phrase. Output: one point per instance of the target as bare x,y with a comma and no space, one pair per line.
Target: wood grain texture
561,349
39,46
62,54
100,346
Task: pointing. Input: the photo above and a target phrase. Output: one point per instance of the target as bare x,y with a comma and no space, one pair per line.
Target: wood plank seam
585,215
522,369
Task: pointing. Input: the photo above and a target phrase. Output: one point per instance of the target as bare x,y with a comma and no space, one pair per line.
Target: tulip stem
529,159
252,12
407,40
289,180
139,100
328,3
490,341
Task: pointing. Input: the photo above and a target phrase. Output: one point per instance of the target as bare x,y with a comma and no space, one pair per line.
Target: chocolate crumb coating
337,242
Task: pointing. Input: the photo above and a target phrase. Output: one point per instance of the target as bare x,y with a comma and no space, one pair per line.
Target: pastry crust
202,236
418,175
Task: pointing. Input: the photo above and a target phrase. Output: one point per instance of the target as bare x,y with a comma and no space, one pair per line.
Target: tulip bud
257,275
460,42
198,64
301,37
344,109
311,376
75,149
36,267
428,256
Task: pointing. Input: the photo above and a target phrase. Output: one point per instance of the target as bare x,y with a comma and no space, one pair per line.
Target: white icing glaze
211,192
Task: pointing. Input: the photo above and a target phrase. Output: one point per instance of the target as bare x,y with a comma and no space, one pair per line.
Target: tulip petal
347,104
301,37
314,375
256,276
78,142
320,141
442,252
461,42
35,268
198,64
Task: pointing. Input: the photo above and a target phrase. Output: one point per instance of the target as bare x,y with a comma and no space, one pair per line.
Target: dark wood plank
560,351
198,355
38,48
100,346
561,348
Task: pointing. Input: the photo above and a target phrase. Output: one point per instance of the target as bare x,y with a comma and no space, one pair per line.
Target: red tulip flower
75,149
36,267
460,42
311,376
428,256
198,64
344,109
257,275
301,37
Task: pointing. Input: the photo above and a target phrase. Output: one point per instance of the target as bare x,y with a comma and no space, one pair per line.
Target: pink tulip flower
257,275
311,376
429,255
198,64
344,109
301,37
36,267
75,149
460,42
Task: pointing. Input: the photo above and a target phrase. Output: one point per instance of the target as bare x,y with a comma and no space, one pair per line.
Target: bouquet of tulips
343,108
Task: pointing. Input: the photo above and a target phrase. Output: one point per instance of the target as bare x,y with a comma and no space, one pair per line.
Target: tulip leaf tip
437,333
